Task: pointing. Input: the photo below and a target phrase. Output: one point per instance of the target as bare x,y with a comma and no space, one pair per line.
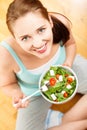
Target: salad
58,84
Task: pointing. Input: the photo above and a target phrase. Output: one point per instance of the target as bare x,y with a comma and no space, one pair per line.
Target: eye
41,30
25,38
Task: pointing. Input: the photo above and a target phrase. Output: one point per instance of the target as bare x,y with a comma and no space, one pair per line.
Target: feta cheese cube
52,72
44,88
46,81
53,96
68,86
63,92
60,78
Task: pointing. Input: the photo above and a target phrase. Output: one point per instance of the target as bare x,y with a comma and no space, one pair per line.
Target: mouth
42,49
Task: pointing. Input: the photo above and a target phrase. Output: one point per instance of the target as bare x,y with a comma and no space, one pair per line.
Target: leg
80,68
33,117
77,125
77,112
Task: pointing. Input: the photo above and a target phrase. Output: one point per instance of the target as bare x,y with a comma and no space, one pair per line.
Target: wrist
67,64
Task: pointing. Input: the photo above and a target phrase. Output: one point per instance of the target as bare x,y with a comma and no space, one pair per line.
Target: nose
37,41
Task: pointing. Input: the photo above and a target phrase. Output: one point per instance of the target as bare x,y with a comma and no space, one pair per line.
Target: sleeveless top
28,80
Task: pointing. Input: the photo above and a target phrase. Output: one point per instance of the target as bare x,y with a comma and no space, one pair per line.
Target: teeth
41,48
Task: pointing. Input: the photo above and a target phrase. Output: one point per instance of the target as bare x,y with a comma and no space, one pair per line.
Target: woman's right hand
17,101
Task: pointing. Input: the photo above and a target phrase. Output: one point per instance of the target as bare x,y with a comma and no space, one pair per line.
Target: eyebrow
28,35
24,36
41,27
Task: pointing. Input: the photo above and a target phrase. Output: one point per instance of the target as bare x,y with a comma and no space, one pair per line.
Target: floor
76,11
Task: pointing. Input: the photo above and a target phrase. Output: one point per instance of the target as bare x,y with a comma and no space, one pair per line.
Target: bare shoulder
5,58
62,18
4,54
6,67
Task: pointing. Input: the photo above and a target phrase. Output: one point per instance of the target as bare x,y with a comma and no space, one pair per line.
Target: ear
50,20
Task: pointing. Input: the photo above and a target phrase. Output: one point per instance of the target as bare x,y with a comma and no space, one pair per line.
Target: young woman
39,39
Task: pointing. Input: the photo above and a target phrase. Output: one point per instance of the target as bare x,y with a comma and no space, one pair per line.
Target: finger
25,104
17,103
15,100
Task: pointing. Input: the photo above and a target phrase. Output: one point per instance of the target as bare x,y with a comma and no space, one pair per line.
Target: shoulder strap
12,52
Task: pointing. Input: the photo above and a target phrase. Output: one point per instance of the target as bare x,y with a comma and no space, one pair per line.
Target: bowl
58,84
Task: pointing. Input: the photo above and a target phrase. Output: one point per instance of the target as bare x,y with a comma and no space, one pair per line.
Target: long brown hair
19,8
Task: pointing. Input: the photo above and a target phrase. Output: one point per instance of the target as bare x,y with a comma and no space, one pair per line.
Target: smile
42,49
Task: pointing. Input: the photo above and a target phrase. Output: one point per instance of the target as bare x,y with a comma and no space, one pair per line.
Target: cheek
49,34
20,44
17,40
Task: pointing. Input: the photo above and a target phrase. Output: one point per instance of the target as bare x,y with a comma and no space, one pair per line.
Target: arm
70,48
8,81
14,91
70,45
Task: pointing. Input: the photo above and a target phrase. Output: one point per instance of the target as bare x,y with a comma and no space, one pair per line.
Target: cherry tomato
66,75
52,81
65,94
57,76
70,80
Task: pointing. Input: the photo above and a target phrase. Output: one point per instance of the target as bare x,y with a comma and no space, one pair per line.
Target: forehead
31,21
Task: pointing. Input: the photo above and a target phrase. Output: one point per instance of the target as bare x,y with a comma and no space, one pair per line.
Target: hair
19,8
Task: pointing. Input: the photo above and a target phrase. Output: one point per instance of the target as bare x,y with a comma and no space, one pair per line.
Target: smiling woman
33,37
32,48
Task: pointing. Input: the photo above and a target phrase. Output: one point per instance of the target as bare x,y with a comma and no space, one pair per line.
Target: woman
39,39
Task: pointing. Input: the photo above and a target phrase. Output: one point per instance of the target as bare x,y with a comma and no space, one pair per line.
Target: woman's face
34,34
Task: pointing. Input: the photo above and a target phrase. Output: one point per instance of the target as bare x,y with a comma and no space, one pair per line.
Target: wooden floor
76,11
